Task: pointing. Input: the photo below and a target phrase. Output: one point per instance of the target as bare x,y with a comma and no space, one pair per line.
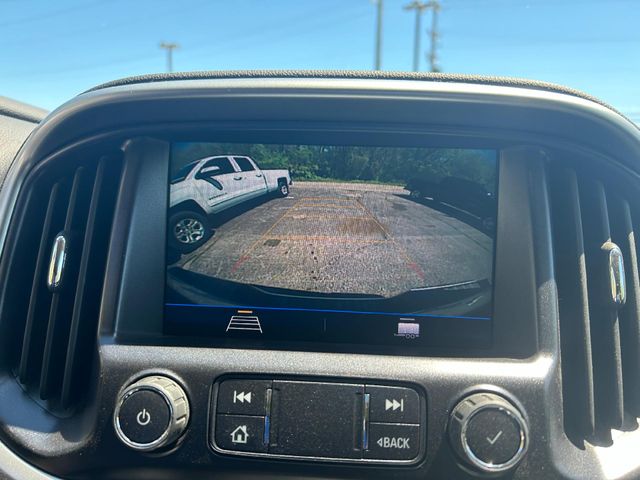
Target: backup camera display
323,243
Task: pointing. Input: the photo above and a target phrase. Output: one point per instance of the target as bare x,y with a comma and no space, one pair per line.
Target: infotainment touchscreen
329,245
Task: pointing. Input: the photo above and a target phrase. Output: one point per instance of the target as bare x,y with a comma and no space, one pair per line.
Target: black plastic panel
315,420
522,364
513,333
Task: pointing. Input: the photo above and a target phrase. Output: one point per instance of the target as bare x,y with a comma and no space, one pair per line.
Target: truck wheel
188,231
283,189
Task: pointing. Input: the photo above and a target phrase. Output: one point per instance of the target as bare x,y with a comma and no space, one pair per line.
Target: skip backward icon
394,404
241,397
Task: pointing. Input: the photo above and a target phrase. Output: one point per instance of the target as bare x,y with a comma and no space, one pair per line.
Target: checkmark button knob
488,432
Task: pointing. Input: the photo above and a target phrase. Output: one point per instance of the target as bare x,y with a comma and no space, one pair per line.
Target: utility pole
434,5
419,6
378,58
169,47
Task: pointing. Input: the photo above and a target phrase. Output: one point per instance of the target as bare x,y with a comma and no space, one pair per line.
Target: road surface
345,238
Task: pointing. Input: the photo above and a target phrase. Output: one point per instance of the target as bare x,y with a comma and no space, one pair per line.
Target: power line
48,15
75,67
56,36
531,4
287,30
287,25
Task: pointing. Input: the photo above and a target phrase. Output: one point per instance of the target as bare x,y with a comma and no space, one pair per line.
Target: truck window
183,173
244,163
215,167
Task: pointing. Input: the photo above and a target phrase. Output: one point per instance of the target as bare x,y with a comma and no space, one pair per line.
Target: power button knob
152,413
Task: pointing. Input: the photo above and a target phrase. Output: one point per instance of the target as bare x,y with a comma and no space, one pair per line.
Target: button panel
346,422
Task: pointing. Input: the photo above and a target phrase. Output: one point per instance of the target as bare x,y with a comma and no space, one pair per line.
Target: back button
393,442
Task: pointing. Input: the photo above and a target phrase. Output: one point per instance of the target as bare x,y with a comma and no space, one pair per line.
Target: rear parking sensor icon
244,320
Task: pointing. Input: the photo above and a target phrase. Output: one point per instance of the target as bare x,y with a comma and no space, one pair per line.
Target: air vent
593,219
52,275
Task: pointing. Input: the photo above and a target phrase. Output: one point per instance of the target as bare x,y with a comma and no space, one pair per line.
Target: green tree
390,165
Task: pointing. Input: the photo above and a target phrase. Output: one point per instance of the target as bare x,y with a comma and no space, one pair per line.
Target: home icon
240,435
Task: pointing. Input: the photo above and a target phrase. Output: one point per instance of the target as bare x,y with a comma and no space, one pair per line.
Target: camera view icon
407,328
244,320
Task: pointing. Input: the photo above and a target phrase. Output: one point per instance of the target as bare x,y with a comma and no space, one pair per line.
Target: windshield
54,50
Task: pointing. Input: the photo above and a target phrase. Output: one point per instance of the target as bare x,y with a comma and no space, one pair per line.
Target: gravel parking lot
345,238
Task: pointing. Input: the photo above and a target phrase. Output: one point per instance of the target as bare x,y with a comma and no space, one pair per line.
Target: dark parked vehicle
459,193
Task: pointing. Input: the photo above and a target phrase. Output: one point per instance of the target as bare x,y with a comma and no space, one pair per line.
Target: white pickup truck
211,185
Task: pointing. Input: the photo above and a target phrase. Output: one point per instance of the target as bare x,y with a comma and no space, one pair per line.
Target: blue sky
53,50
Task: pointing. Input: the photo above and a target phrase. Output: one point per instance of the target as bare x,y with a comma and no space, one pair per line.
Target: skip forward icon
394,404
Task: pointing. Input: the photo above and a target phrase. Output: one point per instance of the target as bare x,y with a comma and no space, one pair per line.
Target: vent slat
605,333
39,300
59,314
48,333
571,277
14,303
629,315
77,327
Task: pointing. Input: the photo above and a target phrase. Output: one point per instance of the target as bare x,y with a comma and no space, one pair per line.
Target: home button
240,433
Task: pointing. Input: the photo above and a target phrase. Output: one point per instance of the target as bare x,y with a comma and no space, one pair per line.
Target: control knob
488,432
151,413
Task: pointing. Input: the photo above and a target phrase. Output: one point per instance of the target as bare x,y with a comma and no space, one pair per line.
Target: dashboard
320,275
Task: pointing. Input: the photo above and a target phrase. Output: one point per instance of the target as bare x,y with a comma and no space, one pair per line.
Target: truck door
215,181
253,179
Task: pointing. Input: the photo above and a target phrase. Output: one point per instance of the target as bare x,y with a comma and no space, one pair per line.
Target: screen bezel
146,327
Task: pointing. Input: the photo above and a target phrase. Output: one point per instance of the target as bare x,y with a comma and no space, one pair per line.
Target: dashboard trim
155,109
